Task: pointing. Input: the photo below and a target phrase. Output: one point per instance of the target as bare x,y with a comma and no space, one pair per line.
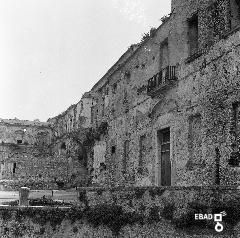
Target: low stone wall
175,204
129,212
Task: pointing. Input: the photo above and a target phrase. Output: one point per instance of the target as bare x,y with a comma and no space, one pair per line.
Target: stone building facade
174,100
22,143
159,113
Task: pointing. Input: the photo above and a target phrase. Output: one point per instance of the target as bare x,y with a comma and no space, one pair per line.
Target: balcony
163,79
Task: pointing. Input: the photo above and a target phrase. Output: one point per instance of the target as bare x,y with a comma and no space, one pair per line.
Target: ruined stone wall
121,122
35,166
83,114
25,132
197,108
27,156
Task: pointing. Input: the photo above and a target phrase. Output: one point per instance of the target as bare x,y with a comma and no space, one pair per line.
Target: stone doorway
164,156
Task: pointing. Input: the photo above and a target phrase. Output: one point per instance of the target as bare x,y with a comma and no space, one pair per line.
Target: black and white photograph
119,118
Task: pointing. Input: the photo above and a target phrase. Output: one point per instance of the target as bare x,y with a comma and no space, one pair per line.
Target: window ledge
194,56
230,32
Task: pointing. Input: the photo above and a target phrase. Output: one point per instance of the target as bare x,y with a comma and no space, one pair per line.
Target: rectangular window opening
113,149
14,167
193,34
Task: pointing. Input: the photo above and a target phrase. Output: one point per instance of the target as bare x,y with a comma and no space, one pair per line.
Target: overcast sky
52,51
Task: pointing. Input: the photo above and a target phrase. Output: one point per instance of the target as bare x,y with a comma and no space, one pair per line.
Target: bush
111,216
167,211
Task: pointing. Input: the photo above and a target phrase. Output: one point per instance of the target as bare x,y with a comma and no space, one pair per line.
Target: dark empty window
113,149
19,141
193,34
63,146
14,167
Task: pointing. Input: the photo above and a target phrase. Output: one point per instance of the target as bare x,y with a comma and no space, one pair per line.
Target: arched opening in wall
63,146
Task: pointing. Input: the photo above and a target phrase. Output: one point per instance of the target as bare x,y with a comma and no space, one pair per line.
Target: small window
14,167
63,146
113,149
193,34
114,88
19,141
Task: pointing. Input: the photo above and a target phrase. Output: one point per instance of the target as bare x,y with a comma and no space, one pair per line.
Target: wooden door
165,157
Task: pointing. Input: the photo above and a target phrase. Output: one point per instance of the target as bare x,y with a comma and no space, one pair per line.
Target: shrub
111,216
167,211
154,214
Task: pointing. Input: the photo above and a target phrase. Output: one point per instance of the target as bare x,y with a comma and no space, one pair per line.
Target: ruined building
159,113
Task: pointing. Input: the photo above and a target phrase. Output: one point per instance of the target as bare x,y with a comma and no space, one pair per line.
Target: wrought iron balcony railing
162,79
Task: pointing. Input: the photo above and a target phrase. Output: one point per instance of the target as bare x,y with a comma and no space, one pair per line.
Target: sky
53,51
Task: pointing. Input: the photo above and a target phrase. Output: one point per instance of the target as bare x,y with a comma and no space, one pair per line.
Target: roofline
140,45
116,64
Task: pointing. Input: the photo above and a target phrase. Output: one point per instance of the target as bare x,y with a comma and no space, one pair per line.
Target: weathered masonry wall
25,132
159,113
196,107
27,157
37,168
